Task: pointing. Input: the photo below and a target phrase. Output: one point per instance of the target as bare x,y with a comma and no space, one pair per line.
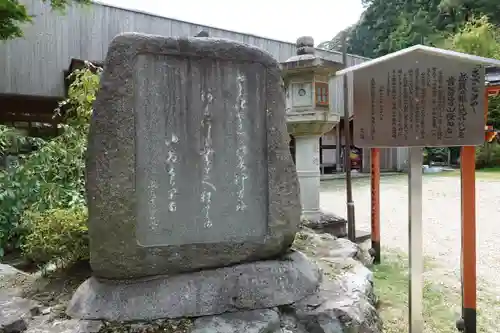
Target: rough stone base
343,302
257,285
328,223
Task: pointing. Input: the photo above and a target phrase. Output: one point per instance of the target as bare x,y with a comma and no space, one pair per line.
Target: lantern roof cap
307,59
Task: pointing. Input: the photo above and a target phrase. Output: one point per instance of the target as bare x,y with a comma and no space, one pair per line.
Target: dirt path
441,213
441,223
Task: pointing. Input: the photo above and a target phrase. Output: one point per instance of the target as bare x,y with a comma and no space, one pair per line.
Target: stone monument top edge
200,46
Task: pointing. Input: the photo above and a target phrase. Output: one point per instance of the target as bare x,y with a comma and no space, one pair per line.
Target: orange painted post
468,202
375,203
468,180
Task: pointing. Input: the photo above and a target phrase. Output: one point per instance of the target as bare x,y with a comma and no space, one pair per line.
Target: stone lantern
310,114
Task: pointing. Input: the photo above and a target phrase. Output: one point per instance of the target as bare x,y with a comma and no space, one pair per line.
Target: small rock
324,245
343,248
46,311
12,280
46,297
290,324
8,270
161,325
256,321
328,223
15,313
364,256
346,302
57,310
142,328
45,325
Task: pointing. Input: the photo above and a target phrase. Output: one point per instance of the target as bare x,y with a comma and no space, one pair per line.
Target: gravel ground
441,219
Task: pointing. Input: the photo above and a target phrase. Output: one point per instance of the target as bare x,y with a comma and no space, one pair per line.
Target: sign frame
468,320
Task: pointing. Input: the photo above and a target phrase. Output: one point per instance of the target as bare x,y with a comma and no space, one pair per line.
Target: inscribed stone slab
188,162
201,175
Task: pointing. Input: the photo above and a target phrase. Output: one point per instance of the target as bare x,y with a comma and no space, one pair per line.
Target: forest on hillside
470,26
391,25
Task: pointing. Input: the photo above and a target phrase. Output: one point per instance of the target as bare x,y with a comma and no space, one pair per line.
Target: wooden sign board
419,100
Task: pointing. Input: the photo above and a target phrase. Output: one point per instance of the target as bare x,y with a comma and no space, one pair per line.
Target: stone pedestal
255,285
307,164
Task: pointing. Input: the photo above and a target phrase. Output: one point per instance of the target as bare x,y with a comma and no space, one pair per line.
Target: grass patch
490,170
442,301
391,284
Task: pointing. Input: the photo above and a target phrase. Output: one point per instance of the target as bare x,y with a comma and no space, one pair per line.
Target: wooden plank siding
34,65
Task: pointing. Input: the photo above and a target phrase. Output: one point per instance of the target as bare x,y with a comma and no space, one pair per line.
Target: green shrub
52,177
488,156
56,235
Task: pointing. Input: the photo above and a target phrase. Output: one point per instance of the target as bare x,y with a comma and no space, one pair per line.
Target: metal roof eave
425,49
202,26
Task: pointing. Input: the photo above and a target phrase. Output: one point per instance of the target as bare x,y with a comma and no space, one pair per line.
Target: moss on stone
159,326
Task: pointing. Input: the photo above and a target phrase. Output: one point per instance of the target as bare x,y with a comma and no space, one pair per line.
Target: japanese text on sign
419,100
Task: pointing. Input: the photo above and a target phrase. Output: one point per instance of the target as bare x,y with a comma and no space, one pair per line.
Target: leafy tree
477,36
13,14
412,30
389,25
470,26
480,37
459,11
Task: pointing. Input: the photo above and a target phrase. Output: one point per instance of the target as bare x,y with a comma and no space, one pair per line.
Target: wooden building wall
35,64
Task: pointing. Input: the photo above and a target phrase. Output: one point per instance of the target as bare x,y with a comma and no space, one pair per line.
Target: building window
321,93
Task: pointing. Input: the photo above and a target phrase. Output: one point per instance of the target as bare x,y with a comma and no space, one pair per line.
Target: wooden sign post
424,97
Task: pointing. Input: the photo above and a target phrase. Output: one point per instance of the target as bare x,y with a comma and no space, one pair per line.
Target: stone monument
192,193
